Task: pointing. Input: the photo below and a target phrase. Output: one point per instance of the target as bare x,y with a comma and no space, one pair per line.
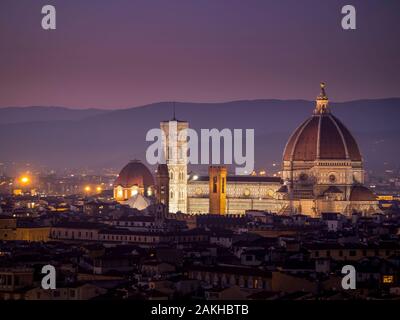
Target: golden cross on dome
322,95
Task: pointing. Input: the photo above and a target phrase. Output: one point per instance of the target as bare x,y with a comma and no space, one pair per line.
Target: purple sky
122,53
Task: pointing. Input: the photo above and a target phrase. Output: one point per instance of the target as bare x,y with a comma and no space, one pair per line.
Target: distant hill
28,114
61,137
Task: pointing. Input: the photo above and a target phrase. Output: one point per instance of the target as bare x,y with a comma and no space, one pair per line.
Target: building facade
175,154
322,171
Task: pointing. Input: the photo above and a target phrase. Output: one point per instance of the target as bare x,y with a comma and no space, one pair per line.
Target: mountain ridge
101,137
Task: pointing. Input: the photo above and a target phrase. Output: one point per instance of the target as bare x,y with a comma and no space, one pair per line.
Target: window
214,184
352,253
328,253
223,185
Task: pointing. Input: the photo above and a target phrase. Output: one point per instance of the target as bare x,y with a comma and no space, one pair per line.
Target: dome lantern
322,101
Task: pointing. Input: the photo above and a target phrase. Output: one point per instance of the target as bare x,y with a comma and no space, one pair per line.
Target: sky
125,53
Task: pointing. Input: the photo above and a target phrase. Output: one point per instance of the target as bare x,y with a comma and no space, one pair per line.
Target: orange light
87,188
17,192
98,189
25,180
387,279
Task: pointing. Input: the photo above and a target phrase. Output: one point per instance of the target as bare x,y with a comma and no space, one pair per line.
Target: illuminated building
134,184
33,233
323,166
217,187
175,148
322,172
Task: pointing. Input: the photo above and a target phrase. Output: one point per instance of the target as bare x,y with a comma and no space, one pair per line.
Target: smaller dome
135,173
361,193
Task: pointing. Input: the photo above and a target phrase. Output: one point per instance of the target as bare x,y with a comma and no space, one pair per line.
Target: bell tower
175,152
217,186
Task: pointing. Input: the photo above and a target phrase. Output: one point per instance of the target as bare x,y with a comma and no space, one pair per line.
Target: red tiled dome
324,137
361,193
135,173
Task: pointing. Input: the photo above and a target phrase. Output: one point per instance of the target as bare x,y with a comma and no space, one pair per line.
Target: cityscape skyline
280,181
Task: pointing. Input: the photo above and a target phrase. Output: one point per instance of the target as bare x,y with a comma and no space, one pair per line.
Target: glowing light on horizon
25,179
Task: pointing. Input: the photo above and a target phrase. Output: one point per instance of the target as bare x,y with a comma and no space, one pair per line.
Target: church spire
174,115
322,101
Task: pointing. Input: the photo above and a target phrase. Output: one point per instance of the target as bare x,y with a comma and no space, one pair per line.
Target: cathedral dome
361,193
321,137
135,173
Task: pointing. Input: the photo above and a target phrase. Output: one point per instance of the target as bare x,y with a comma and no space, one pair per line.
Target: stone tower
162,184
217,185
175,152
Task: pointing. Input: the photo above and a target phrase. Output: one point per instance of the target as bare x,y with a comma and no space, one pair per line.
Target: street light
25,180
